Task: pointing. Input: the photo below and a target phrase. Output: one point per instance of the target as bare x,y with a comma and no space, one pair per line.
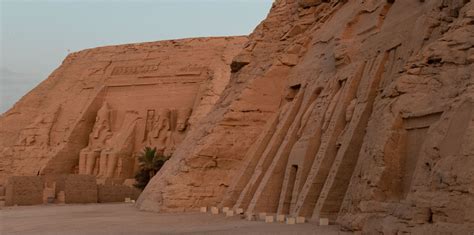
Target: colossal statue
101,132
116,159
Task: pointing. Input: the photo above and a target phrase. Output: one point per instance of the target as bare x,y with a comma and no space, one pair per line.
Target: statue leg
90,162
111,165
103,163
82,163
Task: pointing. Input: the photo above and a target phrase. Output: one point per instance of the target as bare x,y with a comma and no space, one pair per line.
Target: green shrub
150,162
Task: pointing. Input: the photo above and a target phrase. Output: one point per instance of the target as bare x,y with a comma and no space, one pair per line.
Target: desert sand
122,218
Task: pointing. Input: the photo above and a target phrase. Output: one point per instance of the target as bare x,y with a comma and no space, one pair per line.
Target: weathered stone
361,130
83,189
323,221
280,218
116,193
358,113
113,101
290,220
24,191
229,213
269,219
214,210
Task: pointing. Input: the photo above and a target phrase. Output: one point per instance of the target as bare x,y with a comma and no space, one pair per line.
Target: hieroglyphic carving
128,70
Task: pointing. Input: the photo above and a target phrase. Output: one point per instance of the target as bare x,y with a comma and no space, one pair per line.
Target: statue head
183,116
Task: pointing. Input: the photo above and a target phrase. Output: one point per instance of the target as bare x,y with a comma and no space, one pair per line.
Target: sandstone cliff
102,106
357,111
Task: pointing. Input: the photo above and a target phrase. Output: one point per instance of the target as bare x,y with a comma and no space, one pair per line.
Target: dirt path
126,219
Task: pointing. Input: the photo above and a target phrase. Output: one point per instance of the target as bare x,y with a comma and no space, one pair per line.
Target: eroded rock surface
360,112
98,110
357,111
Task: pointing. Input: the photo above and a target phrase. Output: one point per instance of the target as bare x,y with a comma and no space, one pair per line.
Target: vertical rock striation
357,111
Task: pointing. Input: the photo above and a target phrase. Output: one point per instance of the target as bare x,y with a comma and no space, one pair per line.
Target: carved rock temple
102,106
358,113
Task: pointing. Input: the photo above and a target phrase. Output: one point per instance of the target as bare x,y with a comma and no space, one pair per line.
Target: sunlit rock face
356,111
102,106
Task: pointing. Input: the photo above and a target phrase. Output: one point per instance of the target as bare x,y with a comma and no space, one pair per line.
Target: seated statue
100,134
117,155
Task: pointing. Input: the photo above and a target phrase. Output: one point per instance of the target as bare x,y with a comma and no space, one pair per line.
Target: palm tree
150,162
147,160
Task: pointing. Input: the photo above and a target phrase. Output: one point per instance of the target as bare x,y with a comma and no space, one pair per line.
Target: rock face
98,110
359,111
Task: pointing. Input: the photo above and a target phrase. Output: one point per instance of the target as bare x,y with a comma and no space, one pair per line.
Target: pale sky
36,35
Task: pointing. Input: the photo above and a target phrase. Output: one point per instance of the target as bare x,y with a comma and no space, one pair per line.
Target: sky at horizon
37,35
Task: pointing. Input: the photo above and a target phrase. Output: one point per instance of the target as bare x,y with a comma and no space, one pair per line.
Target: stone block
290,220
323,221
81,189
61,197
128,200
116,193
300,220
239,211
214,210
24,191
280,218
225,209
261,216
269,219
129,182
203,209
250,217
229,213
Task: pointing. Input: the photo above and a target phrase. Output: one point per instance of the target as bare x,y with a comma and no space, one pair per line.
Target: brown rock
97,111
376,115
361,112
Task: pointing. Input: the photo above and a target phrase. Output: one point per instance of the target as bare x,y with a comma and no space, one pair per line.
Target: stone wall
80,189
34,190
24,191
116,193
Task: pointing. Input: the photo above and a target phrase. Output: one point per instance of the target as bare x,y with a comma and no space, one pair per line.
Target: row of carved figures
111,154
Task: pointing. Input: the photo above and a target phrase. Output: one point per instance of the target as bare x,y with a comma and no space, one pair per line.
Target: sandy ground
126,219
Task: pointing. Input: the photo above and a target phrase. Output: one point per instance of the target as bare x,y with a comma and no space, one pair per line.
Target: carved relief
159,134
38,133
168,129
127,70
